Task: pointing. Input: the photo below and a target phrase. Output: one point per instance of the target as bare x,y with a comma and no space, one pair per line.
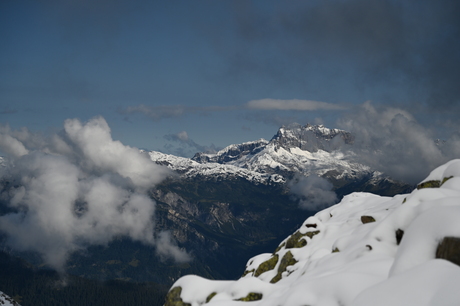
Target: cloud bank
76,188
392,141
312,192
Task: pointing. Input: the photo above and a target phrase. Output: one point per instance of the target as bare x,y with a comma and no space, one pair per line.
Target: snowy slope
366,250
5,300
190,168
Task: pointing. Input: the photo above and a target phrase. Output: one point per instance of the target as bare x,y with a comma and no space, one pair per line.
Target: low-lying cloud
313,192
294,104
187,146
76,188
392,141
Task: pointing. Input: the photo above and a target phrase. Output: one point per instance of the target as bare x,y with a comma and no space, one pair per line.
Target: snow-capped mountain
309,149
366,250
189,168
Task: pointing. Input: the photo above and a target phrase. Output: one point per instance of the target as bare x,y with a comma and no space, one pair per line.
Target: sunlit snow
366,250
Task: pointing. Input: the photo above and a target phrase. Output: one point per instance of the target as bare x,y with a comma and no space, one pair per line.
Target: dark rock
449,249
399,236
367,219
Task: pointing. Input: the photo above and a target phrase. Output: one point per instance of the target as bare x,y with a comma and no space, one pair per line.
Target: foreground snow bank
366,250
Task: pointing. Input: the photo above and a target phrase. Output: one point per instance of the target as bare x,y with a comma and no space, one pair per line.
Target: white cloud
312,192
81,187
392,141
294,104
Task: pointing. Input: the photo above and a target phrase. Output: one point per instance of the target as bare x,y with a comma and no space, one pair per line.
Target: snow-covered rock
366,250
5,300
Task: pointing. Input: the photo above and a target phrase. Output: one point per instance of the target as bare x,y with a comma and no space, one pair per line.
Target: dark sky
183,76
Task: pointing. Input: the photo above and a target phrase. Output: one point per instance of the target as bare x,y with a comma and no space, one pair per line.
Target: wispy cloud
160,112
294,104
187,146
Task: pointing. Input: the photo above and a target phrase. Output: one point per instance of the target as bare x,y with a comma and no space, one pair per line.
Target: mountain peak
310,137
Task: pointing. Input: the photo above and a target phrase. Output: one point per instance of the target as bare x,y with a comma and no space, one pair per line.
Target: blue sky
184,76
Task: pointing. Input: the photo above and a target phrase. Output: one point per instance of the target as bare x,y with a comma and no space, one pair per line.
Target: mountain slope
366,250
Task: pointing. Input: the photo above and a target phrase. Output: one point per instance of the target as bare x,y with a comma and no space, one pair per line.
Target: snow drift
366,250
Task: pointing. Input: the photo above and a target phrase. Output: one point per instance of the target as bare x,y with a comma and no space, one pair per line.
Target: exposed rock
367,219
173,298
279,247
446,179
246,272
399,236
267,265
296,241
252,296
429,184
209,298
449,249
287,260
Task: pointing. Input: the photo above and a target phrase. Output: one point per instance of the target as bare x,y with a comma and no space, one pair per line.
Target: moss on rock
246,272
429,184
367,219
279,247
287,260
446,179
252,296
311,234
173,298
209,298
296,241
267,265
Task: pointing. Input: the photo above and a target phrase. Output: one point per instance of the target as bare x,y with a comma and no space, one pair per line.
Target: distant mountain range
293,150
